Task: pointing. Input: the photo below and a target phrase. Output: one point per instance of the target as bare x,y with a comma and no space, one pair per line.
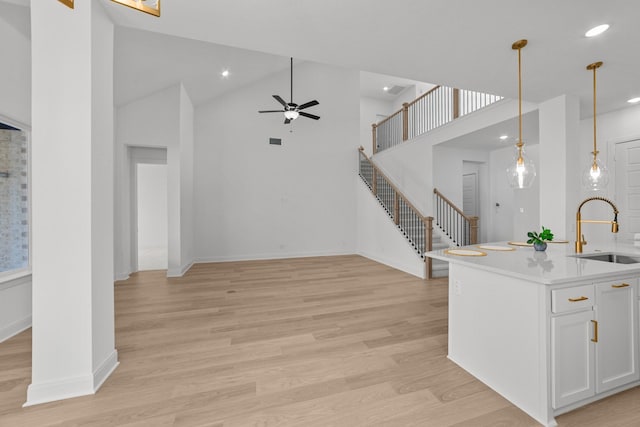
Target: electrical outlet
457,287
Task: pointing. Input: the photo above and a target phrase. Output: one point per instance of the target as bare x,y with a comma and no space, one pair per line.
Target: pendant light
522,172
596,176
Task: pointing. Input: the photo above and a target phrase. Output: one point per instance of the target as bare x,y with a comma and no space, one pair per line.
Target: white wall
187,214
15,105
411,165
448,169
160,120
152,206
518,210
254,200
73,311
615,127
15,307
15,72
370,111
559,176
379,238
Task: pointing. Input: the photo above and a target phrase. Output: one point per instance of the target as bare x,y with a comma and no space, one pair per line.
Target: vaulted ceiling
466,43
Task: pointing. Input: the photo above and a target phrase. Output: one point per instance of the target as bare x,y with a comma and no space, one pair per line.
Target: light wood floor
335,341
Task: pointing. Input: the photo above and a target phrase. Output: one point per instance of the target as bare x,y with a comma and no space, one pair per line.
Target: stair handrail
422,243
461,234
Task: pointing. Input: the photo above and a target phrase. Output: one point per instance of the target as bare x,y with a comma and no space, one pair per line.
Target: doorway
149,209
152,221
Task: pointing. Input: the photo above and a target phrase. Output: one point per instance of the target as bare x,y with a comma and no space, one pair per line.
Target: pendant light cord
594,67
519,45
520,102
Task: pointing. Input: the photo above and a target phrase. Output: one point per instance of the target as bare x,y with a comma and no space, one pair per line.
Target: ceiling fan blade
287,121
311,116
280,100
308,104
271,111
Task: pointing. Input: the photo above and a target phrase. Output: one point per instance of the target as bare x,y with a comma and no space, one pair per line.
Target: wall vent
395,89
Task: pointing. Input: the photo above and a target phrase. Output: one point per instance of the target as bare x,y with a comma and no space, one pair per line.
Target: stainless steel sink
611,257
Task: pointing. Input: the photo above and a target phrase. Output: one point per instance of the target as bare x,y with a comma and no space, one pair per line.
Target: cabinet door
617,347
572,358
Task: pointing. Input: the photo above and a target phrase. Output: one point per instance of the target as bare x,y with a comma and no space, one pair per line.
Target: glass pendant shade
521,172
595,177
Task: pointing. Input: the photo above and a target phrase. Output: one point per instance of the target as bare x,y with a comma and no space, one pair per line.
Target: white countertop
558,264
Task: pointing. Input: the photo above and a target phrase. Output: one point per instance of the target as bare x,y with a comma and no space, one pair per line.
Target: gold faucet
579,236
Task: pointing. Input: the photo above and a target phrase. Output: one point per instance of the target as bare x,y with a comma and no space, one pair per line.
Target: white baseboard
68,388
105,369
418,269
14,328
267,256
179,272
121,276
58,390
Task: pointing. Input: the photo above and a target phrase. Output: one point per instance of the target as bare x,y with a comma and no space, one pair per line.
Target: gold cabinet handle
578,299
621,285
595,331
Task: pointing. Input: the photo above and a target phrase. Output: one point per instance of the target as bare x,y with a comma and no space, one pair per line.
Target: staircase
438,268
453,227
438,107
416,228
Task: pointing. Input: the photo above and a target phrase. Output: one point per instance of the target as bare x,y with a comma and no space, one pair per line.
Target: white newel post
72,173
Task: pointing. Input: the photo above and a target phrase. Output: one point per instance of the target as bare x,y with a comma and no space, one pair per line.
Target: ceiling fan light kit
291,110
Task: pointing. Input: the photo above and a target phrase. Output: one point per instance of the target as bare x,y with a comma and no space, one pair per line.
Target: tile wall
14,202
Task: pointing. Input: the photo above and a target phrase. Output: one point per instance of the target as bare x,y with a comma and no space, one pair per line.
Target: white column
559,171
72,193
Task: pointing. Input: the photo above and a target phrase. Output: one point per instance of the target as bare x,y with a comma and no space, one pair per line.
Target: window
14,200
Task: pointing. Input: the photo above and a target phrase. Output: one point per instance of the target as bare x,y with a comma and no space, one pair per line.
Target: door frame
611,161
135,156
612,164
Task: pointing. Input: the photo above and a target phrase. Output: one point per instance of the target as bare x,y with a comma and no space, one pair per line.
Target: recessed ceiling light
225,73
503,137
386,88
596,31
634,100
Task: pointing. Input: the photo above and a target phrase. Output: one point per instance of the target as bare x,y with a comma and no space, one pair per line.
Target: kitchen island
550,331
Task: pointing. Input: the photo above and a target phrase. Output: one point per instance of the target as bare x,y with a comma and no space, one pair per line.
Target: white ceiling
466,46
372,85
146,62
488,138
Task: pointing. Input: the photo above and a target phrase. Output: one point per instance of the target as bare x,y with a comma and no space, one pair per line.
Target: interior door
470,194
627,160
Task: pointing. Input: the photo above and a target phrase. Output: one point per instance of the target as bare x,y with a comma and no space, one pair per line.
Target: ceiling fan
292,110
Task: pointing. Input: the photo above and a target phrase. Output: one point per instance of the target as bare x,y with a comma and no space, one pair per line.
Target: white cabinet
594,340
573,358
617,346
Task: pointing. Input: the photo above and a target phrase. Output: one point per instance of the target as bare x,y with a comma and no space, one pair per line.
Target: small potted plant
540,240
